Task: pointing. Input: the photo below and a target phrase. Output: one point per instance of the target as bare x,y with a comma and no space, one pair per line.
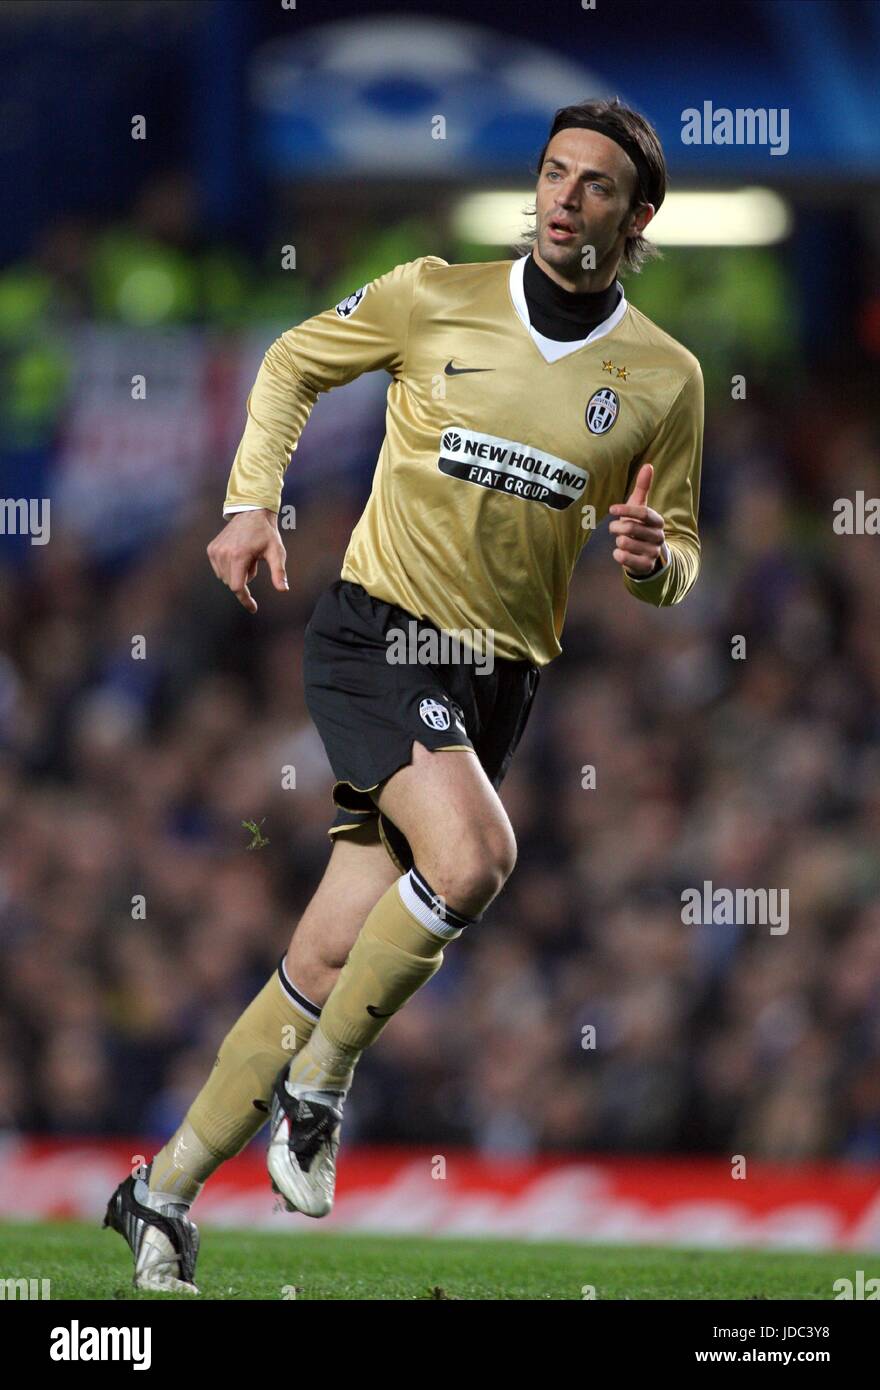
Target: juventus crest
602,409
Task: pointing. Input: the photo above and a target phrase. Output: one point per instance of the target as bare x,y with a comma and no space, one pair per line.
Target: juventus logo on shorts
435,715
602,409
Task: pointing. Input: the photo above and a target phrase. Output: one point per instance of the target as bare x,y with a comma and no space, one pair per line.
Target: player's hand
235,554
638,530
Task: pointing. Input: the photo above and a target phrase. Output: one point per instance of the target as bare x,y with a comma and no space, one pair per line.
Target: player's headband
626,144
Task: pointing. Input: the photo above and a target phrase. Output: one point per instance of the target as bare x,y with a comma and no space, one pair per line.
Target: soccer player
528,399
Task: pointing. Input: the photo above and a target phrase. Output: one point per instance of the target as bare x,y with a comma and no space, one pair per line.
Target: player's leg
429,745
463,849
358,873
458,830
234,1102
224,1116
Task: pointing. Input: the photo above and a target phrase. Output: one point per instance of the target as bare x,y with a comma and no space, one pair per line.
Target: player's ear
642,215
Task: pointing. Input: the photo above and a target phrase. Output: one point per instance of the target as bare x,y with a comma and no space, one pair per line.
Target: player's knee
330,955
502,852
314,965
478,872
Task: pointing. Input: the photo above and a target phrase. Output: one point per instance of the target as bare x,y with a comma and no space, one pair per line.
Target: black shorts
369,711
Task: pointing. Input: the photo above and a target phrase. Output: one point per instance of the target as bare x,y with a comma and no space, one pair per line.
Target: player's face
583,198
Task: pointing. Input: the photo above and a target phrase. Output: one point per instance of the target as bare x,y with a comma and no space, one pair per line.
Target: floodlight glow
735,217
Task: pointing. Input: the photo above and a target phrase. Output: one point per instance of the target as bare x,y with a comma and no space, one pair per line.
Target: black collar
563,314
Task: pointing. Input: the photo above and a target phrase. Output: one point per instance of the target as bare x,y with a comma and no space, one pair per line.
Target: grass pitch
85,1262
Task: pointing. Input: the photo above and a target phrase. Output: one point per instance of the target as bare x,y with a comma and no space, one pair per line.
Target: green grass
84,1262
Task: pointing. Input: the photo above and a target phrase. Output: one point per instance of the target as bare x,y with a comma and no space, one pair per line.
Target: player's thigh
459,832
358,873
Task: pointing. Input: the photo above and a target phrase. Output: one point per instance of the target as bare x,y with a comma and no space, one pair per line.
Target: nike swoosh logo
463,371
374,1013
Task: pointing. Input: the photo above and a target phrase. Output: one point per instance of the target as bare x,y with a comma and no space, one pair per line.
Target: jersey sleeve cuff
246,507
655,573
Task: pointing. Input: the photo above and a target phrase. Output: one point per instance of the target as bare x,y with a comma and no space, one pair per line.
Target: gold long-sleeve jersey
502,450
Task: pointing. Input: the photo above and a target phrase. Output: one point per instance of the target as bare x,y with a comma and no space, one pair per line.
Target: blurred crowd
155,270
144,717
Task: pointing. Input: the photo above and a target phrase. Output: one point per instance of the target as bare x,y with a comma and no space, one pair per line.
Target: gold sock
223,1116
393,956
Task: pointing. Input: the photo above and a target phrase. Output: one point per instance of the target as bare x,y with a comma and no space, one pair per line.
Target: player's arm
655,530
361,334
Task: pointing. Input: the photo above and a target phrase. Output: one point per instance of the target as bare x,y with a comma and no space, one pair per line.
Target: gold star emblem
621,373
607,367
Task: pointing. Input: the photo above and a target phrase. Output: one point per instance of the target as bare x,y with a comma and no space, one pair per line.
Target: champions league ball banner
359,96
